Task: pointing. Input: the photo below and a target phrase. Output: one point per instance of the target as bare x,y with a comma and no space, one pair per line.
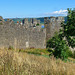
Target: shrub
37,24
74,54
61,46
10,48
61,49
51,51
70,54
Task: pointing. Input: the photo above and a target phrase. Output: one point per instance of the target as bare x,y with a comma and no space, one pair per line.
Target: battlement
53,19
22,34
26,34
52,25
24,23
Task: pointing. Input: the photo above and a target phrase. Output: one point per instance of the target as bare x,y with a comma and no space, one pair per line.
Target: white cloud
60,12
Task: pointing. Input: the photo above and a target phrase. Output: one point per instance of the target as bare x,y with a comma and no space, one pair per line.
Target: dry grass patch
15,63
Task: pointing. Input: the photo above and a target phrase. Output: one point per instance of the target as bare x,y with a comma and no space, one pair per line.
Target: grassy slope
20,63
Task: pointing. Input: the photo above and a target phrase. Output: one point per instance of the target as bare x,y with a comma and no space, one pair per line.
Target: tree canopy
61,46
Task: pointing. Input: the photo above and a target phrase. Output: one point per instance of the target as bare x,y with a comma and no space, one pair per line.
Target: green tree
61,49
68,30
61,46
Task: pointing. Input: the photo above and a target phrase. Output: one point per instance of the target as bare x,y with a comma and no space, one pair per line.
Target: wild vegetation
21,63
37,61
65,38
35,51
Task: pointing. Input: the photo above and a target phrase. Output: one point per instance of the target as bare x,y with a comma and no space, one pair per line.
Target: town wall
27,34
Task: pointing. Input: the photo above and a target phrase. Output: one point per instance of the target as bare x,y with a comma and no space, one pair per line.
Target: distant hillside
15,19
41,19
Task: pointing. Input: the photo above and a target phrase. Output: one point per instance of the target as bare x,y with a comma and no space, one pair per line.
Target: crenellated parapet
52,19
60,18
32,23
52,25
22,34
29,32
26,23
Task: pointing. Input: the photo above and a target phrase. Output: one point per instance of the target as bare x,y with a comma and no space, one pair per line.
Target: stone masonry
52,25
26,34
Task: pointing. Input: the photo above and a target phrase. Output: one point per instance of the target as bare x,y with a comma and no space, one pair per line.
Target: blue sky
34,8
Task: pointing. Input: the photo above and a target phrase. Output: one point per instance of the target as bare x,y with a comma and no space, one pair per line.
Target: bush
74,54
51,51
70,54
61,49
10,48
37,24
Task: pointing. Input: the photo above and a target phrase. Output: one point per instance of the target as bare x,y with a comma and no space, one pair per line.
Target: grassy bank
35,51
21,63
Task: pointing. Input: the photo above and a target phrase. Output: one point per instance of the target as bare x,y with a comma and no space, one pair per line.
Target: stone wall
26,34
52,25
18,36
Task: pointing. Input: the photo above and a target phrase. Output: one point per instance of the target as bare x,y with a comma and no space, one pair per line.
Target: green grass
35,51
